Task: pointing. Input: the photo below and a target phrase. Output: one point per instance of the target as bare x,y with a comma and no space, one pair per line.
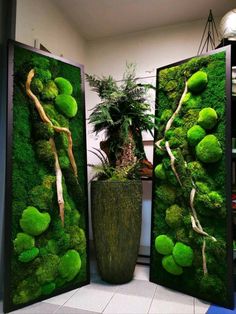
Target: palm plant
123,114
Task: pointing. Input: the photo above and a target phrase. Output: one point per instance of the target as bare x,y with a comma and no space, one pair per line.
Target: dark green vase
116,208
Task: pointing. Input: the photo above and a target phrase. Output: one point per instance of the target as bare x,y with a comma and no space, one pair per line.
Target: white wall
43,21
149,50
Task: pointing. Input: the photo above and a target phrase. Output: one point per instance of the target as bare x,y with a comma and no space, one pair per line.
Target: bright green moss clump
164,245
41,197
191,101
28,255
36,86
33,222
23,242
197,82
67,105
170,266
209,149
47,270
207,118
183,254
195,134
174,216
48,288
196,169
160,172
63,85
70,265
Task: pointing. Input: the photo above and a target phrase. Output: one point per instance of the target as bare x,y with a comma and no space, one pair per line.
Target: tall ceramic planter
116,219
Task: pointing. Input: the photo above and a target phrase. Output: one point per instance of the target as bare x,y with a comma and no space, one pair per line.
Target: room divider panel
46,229
191,247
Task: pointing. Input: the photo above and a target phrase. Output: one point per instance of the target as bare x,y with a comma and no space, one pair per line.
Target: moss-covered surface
39,240
198,144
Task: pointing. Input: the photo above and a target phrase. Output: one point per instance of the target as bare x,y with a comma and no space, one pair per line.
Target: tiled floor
137,296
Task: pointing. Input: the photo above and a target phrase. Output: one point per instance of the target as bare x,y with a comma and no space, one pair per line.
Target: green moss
207,118
77,238
27,290
33,222
28,255
47,270
197,170
166,193
174,216
43,131
210,204
160,172
67,105
48,288
43,75
183,254
191,101
209,150
202,187
23,242
70,265
44,152
49,91
166,114
41,197
52,247
170,266
212,286
36,86
182,235
164,244
64,162
195,134
63,85
197,82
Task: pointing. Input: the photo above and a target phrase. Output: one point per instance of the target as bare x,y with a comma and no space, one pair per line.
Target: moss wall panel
191,240
47,184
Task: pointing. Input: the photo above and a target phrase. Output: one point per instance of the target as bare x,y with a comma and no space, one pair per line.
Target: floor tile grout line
152,300
60,306
115,292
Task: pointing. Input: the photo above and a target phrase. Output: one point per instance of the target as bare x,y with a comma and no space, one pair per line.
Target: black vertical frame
7,30
228,182
7,302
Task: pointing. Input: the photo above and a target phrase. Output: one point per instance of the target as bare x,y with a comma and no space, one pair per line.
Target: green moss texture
189,182
47,257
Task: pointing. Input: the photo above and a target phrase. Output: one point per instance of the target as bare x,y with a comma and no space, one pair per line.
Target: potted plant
116,196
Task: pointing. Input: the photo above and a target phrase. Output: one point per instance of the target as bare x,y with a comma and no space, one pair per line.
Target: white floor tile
90,299
140,288
61,298
167,301
127,304
201,307
141,272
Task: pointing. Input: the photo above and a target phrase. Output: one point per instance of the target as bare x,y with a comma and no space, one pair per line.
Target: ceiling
104,18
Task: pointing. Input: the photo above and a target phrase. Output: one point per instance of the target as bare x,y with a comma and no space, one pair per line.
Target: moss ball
48,288
209,149
197,82
70,265
23,242
164,245
166,193
207,118
174,216
63,85
28,255
160,172
170,266
183,254
33,222
67,105
195,134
